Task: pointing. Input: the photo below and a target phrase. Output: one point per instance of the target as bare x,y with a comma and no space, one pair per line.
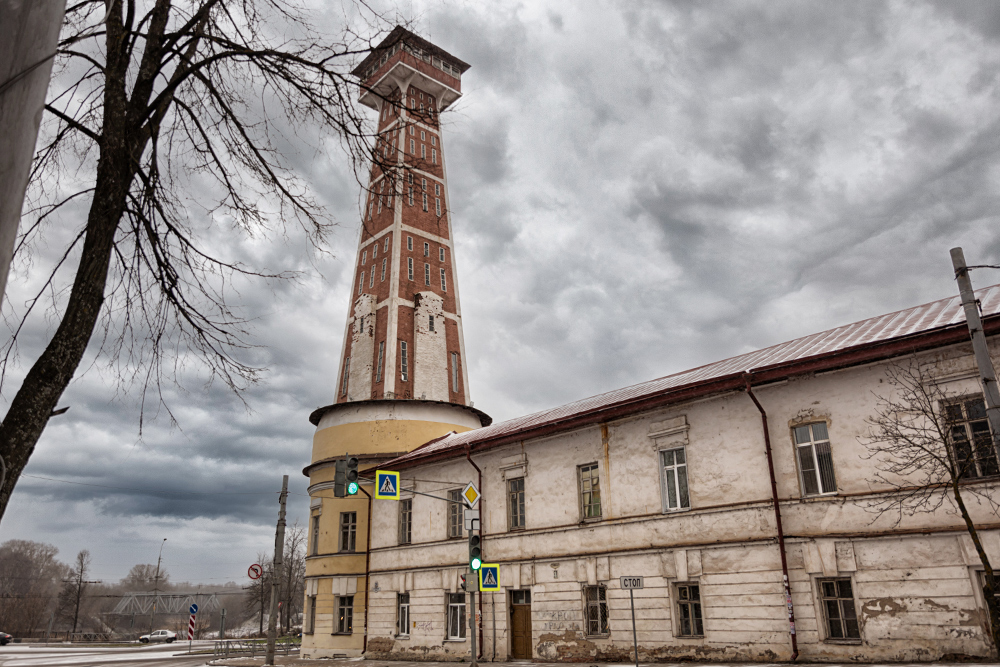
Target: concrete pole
222,624
987,374
473,626
29,33
279,545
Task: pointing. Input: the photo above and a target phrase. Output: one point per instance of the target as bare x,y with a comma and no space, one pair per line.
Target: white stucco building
669,480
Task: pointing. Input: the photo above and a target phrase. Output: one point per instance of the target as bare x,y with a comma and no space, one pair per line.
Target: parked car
159,636
4,638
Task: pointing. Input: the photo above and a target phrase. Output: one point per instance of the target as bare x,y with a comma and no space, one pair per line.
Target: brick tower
402,378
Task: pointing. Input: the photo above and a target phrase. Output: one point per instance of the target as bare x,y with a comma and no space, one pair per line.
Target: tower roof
399,33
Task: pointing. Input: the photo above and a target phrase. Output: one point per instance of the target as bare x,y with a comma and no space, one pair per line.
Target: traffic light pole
472,621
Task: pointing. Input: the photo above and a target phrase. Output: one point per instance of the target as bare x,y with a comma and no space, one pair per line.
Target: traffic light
340,479
475,552
470,582
464,584
352,475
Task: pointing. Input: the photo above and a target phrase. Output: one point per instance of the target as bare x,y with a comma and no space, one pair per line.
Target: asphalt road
40,655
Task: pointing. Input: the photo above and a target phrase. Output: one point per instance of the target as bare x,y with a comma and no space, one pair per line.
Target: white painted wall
430,362
359,387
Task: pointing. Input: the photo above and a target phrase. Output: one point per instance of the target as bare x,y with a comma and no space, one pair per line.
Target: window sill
812,496
854,642
341,634
401,637
593,519
607,636
456,641
679,510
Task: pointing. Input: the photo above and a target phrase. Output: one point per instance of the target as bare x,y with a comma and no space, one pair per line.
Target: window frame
967,423
405,533
427,274
348,532
402,610
515,504
409,243
456,518
383,269
675,469
680,603
409,268
427,249
580,469
454,372
441,254
821,601
347,375
314,535
816,471
404,363
458,602
381,356
345,615
311,611
601,606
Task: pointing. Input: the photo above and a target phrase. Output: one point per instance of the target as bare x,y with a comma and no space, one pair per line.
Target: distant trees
291,583
29,581
72,590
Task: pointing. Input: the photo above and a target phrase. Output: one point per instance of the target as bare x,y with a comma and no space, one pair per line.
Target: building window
427,249
347,372
838,607
409,178
515,503
409,268
970,436
456,616
590,492
402,614
441,254
434,140
437,206
409,243
597,609
434,156
364,257
311,627
675,479
437,189
689,611
348,531
385,246
427,274
815,460
314,535
423,135
456,515
371,279
374,251
444,283
413,147
454,372
381,352
361,282
423,150
430,322
405,521
424,196
410,199
423,184
383,270
345,614
403,365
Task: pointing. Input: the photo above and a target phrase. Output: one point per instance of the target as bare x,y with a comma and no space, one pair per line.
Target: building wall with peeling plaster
915,582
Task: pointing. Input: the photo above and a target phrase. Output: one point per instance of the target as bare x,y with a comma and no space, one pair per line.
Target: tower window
411,127
382,280
425,200
364,257
423,136
385,246
437,189
454,372
413,147
361,283
409,267
409,243
423,184
430,323
441,254
411,197
434,140
381,352
423,150
427,249
375,251
409,178
434,156
347,373
404,366
444,284
427,274
437,206
371,280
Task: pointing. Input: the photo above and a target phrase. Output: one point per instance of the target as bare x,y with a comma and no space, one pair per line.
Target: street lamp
156,582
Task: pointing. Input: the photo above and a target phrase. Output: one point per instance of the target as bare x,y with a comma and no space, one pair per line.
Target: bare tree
259,590
29,581
168,108
73,588
931,449
293,575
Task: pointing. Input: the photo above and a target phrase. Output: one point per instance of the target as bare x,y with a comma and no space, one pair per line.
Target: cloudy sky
638,188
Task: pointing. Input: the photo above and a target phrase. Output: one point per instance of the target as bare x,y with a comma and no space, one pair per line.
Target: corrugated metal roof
884,328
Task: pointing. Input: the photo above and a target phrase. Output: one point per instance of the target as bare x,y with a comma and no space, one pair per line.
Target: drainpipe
777,517
368,561
468,455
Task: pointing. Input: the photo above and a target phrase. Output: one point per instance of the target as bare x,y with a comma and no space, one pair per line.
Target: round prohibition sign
255,571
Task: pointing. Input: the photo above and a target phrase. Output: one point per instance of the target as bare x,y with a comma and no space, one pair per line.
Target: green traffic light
476,563
352,488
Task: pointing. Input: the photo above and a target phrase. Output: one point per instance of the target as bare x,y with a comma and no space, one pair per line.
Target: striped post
191,627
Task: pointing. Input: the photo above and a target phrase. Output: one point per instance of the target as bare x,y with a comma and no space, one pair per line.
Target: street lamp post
156,581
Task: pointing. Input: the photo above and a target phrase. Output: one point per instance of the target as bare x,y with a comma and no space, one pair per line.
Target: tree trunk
990,588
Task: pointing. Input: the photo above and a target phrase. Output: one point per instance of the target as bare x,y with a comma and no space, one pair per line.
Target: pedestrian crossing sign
489,577
387,485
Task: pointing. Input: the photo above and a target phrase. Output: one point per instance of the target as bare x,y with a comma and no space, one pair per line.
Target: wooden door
520,625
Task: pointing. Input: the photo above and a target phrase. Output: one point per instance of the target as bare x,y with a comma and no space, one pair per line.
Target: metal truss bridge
165,603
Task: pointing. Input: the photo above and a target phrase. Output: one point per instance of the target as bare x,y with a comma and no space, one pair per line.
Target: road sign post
632,583
386,485
191,624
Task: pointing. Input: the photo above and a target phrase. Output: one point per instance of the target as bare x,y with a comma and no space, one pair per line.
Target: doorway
520,625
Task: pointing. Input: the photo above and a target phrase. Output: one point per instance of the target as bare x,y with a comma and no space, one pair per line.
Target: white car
159,636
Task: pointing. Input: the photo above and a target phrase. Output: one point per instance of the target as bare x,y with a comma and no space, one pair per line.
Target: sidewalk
359,662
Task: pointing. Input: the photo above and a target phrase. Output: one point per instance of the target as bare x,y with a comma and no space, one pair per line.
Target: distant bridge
165,603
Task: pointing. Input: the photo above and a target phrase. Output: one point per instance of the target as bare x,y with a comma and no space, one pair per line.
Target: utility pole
472,619
279,543
222,624
987,374
156,582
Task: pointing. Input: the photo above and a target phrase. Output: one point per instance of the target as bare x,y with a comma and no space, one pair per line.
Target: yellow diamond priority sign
471,494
